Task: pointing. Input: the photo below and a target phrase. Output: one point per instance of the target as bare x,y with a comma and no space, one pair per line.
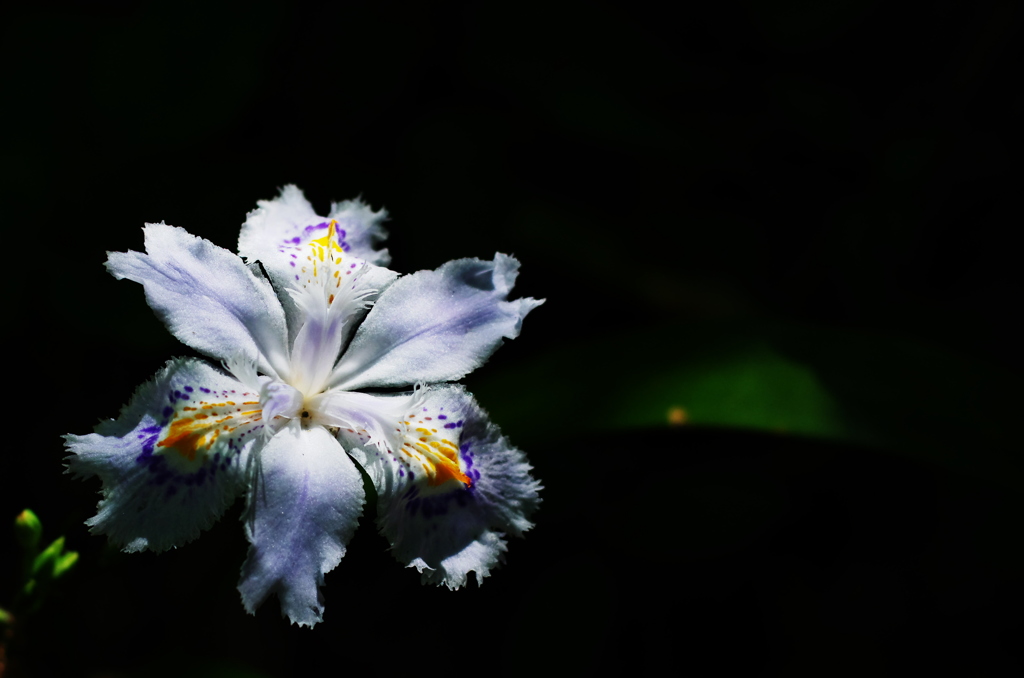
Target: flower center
281,403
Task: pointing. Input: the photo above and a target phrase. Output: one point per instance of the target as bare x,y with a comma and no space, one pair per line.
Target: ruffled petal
289,220
208,297
174,460
282,235
302,509
448,524
435,326
362,229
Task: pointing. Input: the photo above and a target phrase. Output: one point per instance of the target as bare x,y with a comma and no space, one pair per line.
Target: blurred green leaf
46,561
714,376
884,391
64,562
751,386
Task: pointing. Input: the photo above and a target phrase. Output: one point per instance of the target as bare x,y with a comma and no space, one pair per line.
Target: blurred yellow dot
677,416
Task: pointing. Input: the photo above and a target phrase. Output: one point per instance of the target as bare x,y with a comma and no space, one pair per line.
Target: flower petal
289,220
302,510
209,299
280,234
174,460
450,528
362,228
435,325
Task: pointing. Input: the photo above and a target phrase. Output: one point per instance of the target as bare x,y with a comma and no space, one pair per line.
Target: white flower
300,333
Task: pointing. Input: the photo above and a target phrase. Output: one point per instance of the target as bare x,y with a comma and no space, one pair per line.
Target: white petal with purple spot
174,460
451,528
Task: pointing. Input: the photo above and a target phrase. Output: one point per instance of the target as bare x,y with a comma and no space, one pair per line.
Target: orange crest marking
187,435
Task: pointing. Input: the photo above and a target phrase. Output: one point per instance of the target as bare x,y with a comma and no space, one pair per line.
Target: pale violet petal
269,232
279,234
174,460
363,230
208,298
435,325
451,528
320,335
302,509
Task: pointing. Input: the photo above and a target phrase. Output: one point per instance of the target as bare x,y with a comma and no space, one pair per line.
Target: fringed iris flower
303,326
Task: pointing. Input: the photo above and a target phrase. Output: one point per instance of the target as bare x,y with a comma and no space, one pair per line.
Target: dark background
791,220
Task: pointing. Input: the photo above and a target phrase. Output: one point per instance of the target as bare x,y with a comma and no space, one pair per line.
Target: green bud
5,616
28,530
46,561
64,563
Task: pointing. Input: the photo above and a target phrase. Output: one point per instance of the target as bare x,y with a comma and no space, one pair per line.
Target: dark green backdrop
790,221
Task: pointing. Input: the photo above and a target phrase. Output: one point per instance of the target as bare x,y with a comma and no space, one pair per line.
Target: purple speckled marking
149,436
442,416
316,227
161,472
